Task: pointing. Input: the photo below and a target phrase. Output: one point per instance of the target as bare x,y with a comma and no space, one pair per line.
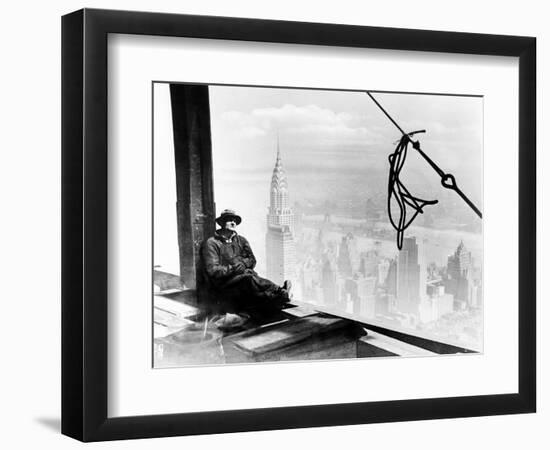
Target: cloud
304,123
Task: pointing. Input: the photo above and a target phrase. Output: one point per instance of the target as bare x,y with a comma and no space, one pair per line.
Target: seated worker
228,262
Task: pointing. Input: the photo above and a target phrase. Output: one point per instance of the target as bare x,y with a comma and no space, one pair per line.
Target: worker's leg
263,289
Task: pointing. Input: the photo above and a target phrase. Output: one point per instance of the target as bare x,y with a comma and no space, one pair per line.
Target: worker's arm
247,256
216,271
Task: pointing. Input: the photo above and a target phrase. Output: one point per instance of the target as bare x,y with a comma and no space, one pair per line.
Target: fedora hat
228,214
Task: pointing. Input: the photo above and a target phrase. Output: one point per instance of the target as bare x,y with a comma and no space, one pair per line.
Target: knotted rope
401,195
398,191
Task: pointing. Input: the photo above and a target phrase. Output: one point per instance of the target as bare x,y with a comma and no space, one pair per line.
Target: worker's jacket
220,254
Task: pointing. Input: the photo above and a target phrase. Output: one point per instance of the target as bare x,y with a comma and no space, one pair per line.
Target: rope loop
400,194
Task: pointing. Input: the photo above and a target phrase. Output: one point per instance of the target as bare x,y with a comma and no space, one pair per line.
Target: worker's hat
226,215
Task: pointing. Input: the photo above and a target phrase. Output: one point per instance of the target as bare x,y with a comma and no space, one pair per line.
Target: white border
135,388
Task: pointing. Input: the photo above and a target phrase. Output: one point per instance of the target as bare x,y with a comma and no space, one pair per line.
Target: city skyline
399,288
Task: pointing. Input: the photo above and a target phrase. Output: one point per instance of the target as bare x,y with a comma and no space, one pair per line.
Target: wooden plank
394,346
286,334
160,331
171,322
337,347
166,280
299,311
175,307
170,316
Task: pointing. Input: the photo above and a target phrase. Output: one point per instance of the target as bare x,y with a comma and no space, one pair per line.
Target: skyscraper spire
280,223
279,186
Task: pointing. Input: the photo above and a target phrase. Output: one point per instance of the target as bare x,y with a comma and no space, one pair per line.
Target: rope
399,192
401,195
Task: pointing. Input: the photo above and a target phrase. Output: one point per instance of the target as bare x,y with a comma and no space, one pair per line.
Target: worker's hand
239,267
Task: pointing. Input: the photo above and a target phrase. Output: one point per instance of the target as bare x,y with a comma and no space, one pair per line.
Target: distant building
408,277
348,258
310,279
436,305
476,300
298,216
366,291
368,263
280,245
333,285
383,270
362,293
391,278
331,248
319,247
351,290
459,281
383,307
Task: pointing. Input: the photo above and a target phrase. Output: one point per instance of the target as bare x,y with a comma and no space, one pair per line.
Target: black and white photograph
307,224
274,225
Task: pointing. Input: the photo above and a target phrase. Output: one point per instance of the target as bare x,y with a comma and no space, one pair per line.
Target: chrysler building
280,247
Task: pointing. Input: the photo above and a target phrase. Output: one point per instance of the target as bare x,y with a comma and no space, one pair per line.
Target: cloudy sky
341,139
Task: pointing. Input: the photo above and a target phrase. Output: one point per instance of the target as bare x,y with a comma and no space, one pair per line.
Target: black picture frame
84,224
